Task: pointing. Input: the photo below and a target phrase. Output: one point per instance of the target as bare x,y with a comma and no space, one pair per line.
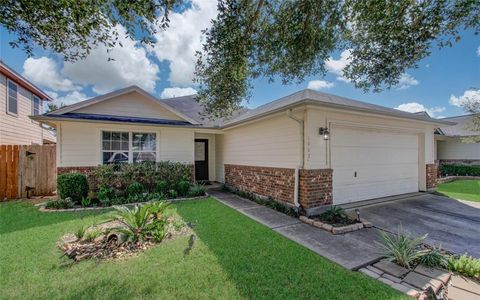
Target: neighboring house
309,148
20,99
451,148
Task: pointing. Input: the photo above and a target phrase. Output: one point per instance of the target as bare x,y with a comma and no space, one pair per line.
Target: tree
249,39
291,40
471,106
72,27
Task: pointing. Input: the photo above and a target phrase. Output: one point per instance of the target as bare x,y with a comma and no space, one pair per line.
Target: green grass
461,189
233,258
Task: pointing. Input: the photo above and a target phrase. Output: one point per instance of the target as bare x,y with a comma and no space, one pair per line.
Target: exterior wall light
324,131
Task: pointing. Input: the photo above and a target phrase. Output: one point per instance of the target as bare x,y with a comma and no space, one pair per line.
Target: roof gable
128,102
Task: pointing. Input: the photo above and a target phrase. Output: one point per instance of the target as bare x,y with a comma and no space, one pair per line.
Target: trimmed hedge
459,170
73,185
120,177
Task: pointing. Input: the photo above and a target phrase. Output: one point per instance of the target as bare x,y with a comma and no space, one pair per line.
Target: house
18,100
308,149
451,146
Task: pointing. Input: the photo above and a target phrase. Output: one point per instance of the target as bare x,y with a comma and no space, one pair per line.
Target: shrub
135,188
80,232
433,258
333,214
91,235
105,193
196,190
401,248
120,176
60,204
73,185
459,170
465,265
172,194
143,222
86,201
161,187
183,186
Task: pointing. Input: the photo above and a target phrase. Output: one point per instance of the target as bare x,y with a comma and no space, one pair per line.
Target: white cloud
177,92
414,107
336,66
67,99
130,65
406,81
468,96
182,39
320,84
44,72
478,51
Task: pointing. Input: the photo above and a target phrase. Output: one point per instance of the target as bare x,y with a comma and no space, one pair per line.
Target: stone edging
453,178
336,230
41,206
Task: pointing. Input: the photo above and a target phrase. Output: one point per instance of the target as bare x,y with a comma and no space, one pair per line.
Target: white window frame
130,143
39,105
8,98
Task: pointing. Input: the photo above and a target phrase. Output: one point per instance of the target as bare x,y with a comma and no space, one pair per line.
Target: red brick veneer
431,173
315,187
278,183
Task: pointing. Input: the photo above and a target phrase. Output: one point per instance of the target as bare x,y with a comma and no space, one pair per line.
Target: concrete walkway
352,250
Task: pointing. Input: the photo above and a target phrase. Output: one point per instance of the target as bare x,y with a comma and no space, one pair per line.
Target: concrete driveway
453,224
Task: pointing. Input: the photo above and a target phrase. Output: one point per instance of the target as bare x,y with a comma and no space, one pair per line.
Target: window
12,103
36,104
118,147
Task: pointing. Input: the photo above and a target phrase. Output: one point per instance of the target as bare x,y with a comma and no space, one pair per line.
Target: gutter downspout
302,160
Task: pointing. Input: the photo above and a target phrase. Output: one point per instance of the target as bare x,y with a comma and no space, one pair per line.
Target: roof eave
338,106
24,82
51,120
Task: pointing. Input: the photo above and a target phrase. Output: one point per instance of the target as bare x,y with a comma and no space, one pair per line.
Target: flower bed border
336,230
41,206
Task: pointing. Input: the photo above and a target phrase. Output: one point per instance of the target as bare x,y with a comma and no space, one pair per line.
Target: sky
439,85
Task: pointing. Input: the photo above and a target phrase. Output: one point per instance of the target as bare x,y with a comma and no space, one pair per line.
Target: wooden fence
27,170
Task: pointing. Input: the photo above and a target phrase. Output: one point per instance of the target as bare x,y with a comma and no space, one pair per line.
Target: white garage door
370,164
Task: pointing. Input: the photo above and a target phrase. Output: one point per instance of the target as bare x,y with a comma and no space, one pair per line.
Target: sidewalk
352,250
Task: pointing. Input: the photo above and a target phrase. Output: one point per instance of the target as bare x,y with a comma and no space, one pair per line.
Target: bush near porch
126,183
459,170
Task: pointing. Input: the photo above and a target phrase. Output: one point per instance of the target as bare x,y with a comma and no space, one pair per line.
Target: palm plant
434,258
401,247
142,222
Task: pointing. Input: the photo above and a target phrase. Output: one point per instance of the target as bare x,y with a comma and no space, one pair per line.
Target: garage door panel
363,173
385,163
358,155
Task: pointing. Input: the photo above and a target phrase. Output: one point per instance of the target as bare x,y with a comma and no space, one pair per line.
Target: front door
201,159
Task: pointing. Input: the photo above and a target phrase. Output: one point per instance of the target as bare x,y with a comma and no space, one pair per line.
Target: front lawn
461,189
233,257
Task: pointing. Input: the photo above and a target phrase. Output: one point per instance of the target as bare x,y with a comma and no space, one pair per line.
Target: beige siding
317,149
272,142
455,149
132,105
18,129
79,143
211,153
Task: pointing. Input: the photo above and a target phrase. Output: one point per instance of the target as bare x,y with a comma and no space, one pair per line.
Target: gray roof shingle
461,128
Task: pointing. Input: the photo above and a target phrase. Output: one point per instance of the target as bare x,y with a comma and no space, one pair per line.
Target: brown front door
201,159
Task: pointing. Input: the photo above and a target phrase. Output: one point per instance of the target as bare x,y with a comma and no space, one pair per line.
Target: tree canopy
272,39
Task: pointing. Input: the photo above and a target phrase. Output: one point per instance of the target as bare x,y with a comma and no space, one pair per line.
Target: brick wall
432,173
278,183
315,187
